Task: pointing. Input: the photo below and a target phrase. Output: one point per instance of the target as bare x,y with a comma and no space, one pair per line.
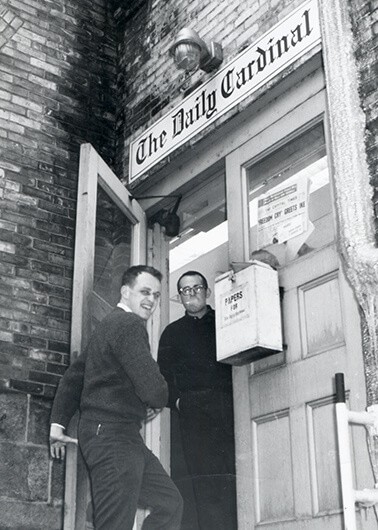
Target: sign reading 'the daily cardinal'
280,46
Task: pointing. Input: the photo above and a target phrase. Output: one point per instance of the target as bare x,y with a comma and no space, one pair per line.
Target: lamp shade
187,56
190,52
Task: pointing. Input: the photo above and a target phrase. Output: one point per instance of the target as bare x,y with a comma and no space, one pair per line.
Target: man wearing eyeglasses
200,390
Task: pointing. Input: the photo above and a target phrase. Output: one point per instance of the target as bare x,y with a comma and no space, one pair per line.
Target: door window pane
290,208
112,248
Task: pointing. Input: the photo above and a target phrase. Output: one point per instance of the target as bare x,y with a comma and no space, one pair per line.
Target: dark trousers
207,431
125,475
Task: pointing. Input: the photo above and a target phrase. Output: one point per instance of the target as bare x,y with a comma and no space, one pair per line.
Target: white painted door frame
93,172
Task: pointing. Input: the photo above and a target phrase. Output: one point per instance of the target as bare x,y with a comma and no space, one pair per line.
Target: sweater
187,357
115,379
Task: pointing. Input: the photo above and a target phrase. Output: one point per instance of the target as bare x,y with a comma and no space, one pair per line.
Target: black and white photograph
188,265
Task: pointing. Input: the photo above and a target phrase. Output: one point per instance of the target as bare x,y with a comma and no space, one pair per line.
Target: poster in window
282,213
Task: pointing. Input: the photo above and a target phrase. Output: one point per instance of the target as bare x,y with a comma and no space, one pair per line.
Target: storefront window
290,208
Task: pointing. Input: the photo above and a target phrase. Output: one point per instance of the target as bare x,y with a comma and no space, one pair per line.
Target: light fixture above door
191,52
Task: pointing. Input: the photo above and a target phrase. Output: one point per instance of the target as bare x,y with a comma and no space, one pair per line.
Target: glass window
290,207
112,248
202,243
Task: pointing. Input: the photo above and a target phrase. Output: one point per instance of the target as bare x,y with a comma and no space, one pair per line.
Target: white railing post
344,417
345,459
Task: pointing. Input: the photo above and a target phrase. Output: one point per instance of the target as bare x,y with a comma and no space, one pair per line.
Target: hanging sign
247,314
279,47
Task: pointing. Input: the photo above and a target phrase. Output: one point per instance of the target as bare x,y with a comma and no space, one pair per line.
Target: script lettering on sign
282,45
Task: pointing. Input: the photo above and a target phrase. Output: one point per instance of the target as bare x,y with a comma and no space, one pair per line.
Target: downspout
352,189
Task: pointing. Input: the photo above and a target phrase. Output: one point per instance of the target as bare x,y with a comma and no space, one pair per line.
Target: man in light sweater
115,384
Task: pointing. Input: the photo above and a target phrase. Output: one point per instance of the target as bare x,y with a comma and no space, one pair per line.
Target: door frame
93,172
157,432
289,114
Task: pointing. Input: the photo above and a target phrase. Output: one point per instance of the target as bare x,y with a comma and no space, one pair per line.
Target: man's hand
58,441
152,413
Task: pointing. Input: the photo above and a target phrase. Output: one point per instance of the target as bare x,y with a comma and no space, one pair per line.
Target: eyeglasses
187,291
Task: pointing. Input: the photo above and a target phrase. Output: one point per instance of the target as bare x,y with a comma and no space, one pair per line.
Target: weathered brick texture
57,90
151,82
364,16
153,85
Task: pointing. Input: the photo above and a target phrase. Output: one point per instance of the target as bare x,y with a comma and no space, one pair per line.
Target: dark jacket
187,357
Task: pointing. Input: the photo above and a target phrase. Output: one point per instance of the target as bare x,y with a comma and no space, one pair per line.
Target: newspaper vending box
248,314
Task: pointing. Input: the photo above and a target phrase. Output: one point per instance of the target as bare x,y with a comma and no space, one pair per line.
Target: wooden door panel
280,440
296,383
323,456
320,315
273,467
290,412
309,267
299,442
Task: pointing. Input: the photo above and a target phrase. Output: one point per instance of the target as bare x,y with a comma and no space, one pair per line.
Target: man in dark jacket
200,389
114,383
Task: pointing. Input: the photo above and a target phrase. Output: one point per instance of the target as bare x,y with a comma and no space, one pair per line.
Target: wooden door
287,454
111,235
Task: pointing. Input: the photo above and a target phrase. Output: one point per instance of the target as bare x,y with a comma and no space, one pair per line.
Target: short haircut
192,273
130,275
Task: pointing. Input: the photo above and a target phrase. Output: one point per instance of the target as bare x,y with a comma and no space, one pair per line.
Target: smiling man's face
142,298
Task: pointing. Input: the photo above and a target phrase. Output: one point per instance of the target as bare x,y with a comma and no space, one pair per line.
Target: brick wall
57,90
364,16
154,83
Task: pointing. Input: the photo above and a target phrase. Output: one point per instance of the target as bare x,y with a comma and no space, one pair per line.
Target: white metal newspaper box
248,314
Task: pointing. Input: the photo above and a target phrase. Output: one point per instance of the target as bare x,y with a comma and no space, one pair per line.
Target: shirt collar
124,307
210,313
